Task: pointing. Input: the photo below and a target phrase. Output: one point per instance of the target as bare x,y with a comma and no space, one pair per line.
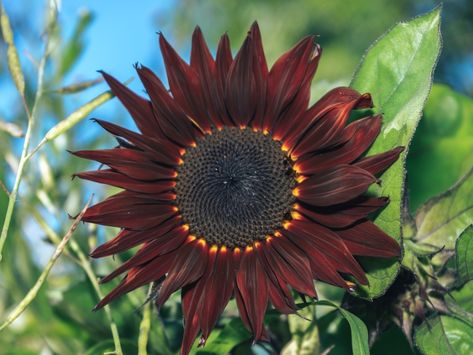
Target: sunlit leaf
444,335
305,333
441,220
464,255
397,70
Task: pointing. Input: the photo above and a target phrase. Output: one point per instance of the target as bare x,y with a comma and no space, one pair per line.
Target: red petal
173,121
287,76
158,246
191,300
185,85
127,238
138,107
188,266
365,132
113,178
130,162
378,163
343,215
223,62
161,150
252,295
340,185
366,239
331,245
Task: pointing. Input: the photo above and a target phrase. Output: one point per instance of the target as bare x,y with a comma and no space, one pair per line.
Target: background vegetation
49,88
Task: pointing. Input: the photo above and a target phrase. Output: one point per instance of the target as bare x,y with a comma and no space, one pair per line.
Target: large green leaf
441,220
223,340
397,71
464,255
445,137
359,333
444,335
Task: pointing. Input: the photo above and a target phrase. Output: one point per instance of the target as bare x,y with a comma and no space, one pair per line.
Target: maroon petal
161,150
252,295
344,215
127,238
128,214
365,132
188,267
138,107
113,178
332,245
321,126
366,239
376,164
130,162
191,301
174,123
223,62
286,77
333,187
164,244
139,276
218,290
246,81
185,85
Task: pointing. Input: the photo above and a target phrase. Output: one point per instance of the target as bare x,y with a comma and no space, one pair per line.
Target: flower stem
33,292
145,327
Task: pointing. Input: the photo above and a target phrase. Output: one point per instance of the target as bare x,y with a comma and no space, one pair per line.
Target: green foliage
445,335
464,255
445,137
397,70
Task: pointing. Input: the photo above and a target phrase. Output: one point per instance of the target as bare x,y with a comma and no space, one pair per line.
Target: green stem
145,327
24,153
84,263
33,292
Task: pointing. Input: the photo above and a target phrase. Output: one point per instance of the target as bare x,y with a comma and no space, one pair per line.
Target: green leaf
464,255
397,71
359,332
222,341
305,333
444,136
441,220
444,335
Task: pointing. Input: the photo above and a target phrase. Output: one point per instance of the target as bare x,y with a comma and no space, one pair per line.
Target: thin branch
33,292
145,326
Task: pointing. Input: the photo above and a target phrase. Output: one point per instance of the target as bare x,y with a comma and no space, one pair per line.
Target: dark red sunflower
235,187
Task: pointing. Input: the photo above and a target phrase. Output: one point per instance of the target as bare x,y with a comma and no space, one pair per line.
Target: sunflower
236,187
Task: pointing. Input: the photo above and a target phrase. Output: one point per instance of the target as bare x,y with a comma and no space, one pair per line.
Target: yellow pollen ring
301,178
191,238
202,242
277,234
214,249
223,249
186,228
286,224
248,249
296,192
296,215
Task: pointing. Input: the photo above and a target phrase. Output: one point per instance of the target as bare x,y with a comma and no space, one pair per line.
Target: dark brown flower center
235,187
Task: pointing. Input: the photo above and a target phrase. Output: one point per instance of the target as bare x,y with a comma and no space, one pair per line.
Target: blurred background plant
60,46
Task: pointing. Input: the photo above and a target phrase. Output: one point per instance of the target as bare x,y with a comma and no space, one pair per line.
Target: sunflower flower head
236,187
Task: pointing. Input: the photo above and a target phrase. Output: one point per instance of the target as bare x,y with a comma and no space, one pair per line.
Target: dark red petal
174,123
246,83
252,295
366,239
279,294
127,238
140,276
223,62
365,132
331,245
161,150
185,85
191,301
164,244
378,163
138,107
113,178
130,162
118,212
286,77
292,265
204,65
340,185
341,216
323,268
324,121
187,267
218,290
